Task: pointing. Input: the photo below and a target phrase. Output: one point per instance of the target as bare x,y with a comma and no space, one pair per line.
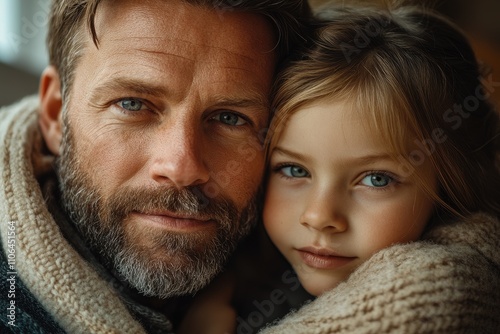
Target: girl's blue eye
131,104
230,118
377,180
294,171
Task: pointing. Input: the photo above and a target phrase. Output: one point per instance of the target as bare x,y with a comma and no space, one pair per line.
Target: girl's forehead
330,111
348,117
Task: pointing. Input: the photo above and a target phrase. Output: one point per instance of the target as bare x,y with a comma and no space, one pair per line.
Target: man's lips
323,258
173,221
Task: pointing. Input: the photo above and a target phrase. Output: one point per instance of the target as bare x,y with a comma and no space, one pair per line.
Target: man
152,113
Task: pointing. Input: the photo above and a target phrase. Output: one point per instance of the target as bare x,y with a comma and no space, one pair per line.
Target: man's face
160,159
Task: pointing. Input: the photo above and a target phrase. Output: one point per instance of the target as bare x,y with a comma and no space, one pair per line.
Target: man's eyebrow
251,102
248,101
134,86
257,103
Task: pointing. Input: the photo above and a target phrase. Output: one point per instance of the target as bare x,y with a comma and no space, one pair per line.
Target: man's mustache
190,201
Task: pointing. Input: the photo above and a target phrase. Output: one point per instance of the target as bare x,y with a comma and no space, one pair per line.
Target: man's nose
178,156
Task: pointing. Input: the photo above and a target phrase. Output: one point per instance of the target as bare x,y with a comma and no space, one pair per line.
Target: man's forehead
173,33
159,20
183,50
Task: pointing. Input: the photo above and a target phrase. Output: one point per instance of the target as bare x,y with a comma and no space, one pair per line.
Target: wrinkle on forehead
167,41
201,25
181,48
182,54
181,34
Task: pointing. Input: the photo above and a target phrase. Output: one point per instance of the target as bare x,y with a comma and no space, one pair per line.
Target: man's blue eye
131,104
230,118
294,171
377,180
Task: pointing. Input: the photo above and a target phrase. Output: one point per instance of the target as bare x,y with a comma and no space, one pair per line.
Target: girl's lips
323,258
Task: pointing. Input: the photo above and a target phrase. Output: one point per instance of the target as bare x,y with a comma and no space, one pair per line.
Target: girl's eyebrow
371,158
357,160
284,151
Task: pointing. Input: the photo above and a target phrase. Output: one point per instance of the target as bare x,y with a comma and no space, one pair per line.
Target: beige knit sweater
446,284
67,287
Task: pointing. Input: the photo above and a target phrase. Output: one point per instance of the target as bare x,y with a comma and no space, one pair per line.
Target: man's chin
165,264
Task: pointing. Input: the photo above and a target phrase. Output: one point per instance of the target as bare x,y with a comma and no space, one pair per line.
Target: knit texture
78,299
447,283
28,316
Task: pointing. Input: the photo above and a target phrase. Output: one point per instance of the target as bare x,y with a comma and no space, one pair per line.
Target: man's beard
169,263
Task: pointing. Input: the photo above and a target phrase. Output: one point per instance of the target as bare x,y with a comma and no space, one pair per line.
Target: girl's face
335,195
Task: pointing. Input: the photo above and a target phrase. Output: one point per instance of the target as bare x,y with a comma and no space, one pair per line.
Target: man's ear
50,114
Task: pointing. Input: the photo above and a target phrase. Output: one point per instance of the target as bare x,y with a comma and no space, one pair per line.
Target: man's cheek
106,164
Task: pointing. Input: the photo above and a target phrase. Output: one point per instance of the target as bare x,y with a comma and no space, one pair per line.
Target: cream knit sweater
449,283
67,287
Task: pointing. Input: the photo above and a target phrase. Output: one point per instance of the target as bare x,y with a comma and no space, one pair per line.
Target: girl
381,127
383,186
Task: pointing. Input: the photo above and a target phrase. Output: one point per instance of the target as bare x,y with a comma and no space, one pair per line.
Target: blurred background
23,27
23,56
